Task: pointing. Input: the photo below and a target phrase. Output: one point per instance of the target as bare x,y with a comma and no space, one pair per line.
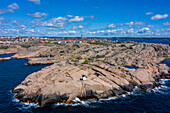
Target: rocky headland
111,69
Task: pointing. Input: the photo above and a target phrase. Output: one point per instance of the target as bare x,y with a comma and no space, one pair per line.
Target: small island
89,70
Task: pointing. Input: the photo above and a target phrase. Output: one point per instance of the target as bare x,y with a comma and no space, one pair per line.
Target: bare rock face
103,66
11,49
62,82
6,58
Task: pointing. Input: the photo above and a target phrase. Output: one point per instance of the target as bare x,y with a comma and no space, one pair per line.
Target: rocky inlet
105,66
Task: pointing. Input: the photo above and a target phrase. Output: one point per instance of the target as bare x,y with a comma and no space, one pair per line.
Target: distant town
14,40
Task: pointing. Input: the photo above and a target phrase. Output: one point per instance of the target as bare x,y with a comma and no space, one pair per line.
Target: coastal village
20,40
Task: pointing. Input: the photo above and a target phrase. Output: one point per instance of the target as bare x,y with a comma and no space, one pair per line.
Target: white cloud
130,23
71,32
90,17
150,26
55,22
13,6
167,23
78,27
38,15
70,16
23,26
76,19
111,26
158,17
130,30
2,11
149,13
140,23
10,9
15,23
35,1
144,30
133,23
2,18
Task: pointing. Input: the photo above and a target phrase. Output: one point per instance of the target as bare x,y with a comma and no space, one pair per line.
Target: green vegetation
118,42
85,51
105,61
92,59
61,52
98,56
25,46
4,47
164,56
74,60
85,62
99,43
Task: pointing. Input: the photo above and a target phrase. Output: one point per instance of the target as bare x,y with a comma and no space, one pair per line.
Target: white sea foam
110,98
76,100
163,81
26,64
23,106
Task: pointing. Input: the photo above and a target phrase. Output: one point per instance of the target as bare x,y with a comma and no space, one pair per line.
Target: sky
91,18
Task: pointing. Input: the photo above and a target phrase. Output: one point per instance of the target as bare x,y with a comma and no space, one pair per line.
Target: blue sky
136,18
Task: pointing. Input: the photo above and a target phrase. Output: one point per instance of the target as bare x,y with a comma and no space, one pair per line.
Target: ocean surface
162,41
14,71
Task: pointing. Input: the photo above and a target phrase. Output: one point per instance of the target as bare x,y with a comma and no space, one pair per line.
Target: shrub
4,47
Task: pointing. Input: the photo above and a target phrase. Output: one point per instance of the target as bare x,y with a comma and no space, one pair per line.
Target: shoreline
154,90
92,60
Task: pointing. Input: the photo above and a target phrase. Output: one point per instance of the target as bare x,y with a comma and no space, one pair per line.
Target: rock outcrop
104,67
11,49
6,58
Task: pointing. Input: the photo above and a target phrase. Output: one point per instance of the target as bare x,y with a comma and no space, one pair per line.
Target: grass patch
4,47
164,56
98,56
61,52
74,60
25,46
85,62
99,43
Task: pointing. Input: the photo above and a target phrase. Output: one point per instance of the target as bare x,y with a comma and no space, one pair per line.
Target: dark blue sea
161,41
14,71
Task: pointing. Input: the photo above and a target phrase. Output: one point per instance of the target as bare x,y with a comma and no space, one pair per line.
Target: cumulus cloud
78,27
35,1
130,31
130,23
10,9
2,18
133,23
23,26
90,17
70,16
2,11
54,22
144,30
76,19
150,26
13,6
158,17
15,23
38,15
111,26
167,23
71,32
149,13
140,23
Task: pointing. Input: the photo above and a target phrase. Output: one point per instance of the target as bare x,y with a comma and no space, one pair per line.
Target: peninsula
90,70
